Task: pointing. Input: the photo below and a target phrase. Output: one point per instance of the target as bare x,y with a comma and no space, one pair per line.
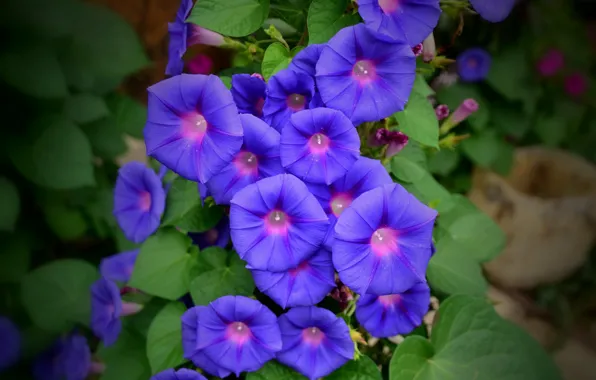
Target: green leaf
419,121
15,258
10,205
362,369
470,341
57,295
129,115
428,190
125,359
223,17
273,370
200,219
164,339
164,256
34,71
405,170
182,198
454,95
326,18
106,138
60,158
482,149
227,81
234,279
277,57
551,129
444,161
67,222
47,19
421,87
211,258
479,235
85,108
509,73
510,120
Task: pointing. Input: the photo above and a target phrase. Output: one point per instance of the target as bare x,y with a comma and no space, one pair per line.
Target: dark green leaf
164,339
482,149
57,295
200,219
272,370
182,198
10,205
444,161
234,18
419,121
454,95
211,258
326,18
362,369
85,108
405,170
411,358
67,222
129,115
48,19
422,87
15,258
106,138
551,129
510,120
126,359
510,72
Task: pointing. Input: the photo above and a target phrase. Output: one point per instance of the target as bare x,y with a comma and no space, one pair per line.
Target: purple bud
429,48
398,141
379,137
442,111
130,308
551,63
202,36
468,107
417,50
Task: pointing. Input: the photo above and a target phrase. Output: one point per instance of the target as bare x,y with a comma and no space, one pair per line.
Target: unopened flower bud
442,111
429,48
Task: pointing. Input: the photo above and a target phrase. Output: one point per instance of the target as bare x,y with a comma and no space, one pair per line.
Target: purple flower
393,314
258,158
315,341
276,223
248,92
232,334
218,236
119,267
139,201
106,309
383,241
306,61
193,126
409,20
68,358
366,174
10,348
288,91
473,65
181,374
203,192
319,145
364,77
305,285
493,11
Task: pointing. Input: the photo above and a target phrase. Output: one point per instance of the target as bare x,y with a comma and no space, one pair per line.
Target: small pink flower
551,63
200,64
576,84
442,111
468,107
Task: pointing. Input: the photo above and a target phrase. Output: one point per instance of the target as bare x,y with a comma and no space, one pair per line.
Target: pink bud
417,50
378,137
429,48
442,111
468,107
200,64
96,368
257,75
130,308
576,84
398,141
551,63
202,36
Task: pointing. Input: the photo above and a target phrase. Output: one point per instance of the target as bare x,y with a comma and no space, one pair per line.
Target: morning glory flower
192,126
218,236
288,91
383,241
10,349
551,63
473,64
139,201
258,158
200,64
306,61
393,314
106,309
305,285
237,334
366,174
315,341
181,374
409,20
366,78
319,145
68,358
248,92
276,223
119,267
493,11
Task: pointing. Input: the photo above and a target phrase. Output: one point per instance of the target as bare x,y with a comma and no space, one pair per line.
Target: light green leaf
48,19
164,255
478,234
272,370
509,73
405,170
234,18
57,294
85,108
200,219
34,71
227,81
164,339
410,359
419,121
129,115
276,58
326,18
15,258
482,149
362,369
126,359
106,138
454,95
10,205
428,190
421,87
60,158
211,258
444,161
234,279
182,198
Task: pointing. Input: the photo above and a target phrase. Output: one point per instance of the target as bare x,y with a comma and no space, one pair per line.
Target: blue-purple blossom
383,241
192,126
305,285
393,314
288,92
248,92
181,374
258,158
203,192
218,236
276,223
493,11
319,145
232,334
409,20
10,348
306,61
68,358
364,175
473,64
315,341
366,78
119,267
139,201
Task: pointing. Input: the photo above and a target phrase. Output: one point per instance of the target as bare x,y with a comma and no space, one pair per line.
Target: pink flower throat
384,241
238,332
364,72
313,336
